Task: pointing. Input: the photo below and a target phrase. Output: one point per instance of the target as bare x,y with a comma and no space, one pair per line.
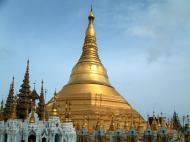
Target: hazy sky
144,45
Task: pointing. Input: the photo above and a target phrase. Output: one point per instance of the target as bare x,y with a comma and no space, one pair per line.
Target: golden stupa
90,92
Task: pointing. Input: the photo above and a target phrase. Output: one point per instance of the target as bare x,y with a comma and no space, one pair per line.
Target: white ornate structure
15,130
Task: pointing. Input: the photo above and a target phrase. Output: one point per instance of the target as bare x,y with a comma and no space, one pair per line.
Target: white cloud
140,31
162,25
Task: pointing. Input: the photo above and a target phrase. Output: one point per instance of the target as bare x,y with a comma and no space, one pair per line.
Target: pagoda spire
163,122
11,90
10,101
154,124
90,50
41,104
89,68
23,102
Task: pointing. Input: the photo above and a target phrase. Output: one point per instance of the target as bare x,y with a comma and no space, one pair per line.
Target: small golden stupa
89,90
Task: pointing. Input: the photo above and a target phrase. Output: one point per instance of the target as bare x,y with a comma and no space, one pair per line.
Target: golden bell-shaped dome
89,89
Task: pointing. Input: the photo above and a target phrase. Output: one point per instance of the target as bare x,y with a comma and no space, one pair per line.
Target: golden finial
54,107
32,117
91,15
90,30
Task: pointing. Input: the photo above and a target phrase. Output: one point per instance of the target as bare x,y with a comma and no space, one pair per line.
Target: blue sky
144,45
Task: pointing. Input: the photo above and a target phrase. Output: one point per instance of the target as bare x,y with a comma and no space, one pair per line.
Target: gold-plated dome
89,90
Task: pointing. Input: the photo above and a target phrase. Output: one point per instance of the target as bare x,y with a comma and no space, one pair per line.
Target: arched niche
32,138
6,136
58,138
44,139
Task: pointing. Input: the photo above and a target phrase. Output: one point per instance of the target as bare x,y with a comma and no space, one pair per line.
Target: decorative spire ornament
41,103
23,101
163,122
9,101
154,125
89,68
